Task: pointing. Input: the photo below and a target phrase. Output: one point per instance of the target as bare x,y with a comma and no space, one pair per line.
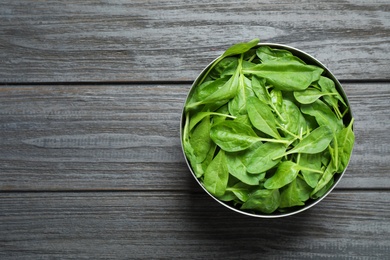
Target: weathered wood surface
85,41
126,136
167,225
91,94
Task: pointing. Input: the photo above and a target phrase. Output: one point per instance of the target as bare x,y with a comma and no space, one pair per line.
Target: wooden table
90,101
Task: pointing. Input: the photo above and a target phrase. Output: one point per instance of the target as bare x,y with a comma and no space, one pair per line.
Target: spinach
290,197
262,160
310,95
200,140
233,136
237,105
286,75
286,173
216,175
316,142
323,115
261,117
327,85
263,200
238,169
264,131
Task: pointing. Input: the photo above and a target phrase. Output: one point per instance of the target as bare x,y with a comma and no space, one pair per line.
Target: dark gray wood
74,41
166,225
126,137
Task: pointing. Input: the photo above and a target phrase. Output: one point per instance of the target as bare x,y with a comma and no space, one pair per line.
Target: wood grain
126,137
166,225
104,41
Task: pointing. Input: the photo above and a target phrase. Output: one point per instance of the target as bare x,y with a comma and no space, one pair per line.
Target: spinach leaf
290,196
258,87
266,201
241,191
200,168
232,136
266,53
291,121
311,161
328,85
216,175
237,168
261,117
345,140
310,95
316,142
276,99
197,117
238,48
262,160
289,76
209,87
323,115
237,105
326,178
221,67
200,140
287,172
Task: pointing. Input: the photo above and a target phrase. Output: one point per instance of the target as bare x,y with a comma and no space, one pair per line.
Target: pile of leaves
264,131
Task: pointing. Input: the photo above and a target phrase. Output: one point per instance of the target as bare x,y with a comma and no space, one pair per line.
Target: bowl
298,181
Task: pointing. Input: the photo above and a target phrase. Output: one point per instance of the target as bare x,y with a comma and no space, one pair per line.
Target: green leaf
328,85
216,176
345,142
262,160
237,168
200,168
316,142
258,87
236,49
261,117
266,201
288,76
304,190
241,191
223,65
311,161
200,140
292,122
287,171
240,48
237,105
326,178
232,136
310,95
196,118
266,53
209,87
323,115
290,196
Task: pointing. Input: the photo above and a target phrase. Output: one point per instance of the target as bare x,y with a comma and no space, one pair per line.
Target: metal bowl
337,177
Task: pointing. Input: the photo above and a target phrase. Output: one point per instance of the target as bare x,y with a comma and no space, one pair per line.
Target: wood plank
147,225
126,137
73,41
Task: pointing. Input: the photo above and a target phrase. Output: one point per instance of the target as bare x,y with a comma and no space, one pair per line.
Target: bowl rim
305,57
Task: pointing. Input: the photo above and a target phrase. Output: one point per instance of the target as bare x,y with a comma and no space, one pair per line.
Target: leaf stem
287,131
274,140
309,169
